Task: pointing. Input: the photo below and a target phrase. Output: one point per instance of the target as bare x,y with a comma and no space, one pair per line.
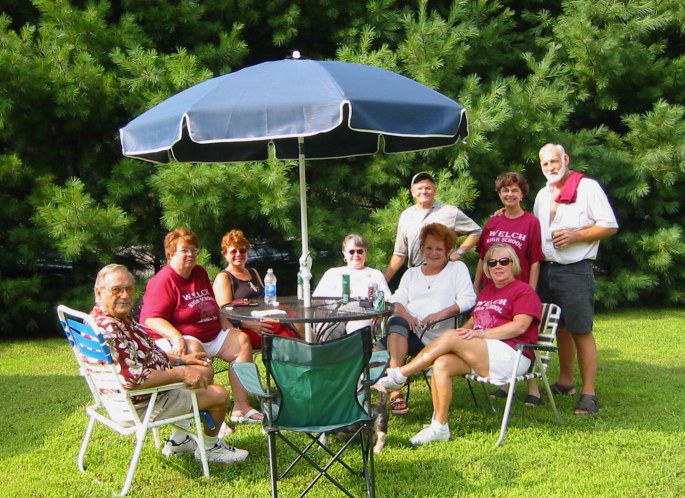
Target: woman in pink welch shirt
181,314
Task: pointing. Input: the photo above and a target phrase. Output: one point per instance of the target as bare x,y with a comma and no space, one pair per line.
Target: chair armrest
156,389
377,365
248,376
536,347
457,317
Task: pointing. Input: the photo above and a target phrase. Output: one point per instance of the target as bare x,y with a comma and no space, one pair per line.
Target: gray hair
107,270
357,239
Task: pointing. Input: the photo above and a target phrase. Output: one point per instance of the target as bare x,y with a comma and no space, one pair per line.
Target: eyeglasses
233,252
118,291
187,250
358,251
502,261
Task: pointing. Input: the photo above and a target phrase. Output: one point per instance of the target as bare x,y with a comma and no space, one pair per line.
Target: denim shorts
398,325
573,288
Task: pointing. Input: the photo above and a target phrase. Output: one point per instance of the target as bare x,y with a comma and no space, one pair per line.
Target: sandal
251,417
587,405
398,405
532,401
562,389
499,394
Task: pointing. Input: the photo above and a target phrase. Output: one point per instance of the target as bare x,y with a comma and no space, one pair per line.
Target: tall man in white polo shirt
427,210
575,214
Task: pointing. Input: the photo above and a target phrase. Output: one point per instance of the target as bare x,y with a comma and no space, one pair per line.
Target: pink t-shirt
522,233
188,304
497,306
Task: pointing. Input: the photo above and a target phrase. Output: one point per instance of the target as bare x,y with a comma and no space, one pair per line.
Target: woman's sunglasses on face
358,251
502,261
233,252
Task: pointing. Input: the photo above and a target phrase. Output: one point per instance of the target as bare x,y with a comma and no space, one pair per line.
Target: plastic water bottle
300,286
270,287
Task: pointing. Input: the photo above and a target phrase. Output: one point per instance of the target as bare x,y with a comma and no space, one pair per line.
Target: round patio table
325,313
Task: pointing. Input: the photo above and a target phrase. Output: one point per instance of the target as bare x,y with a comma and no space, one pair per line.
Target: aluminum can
346,288
373,287
379,301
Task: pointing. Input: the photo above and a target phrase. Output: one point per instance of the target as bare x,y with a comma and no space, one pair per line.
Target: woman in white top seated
425,297
354,250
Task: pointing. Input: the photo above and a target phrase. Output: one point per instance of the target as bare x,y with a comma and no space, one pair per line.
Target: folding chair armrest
156,389
248,376
377,365
536,347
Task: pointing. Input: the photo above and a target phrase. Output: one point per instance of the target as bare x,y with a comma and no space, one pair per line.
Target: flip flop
499,394
248,418
587,405
532,401
562,389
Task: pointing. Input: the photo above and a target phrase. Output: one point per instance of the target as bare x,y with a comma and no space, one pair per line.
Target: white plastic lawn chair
113,406
543,350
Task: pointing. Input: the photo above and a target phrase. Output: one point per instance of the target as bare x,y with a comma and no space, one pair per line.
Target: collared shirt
134,352
591,208
414,218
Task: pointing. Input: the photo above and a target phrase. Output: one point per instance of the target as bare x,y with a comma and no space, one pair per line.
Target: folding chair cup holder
312,389
112,405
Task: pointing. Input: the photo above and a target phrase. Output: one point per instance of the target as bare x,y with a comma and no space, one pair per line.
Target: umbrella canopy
341,109
303,109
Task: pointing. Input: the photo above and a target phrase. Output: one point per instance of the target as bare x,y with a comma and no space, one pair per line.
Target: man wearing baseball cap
428,210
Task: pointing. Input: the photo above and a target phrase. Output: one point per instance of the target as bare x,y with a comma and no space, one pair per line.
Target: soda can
346,288
379,301
373,287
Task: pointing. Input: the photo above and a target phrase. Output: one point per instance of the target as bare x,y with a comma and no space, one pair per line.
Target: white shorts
502,358
212,347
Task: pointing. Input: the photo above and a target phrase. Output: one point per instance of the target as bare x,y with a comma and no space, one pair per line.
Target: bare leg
473,352
398,347
213,399
567,356
587,360
237,348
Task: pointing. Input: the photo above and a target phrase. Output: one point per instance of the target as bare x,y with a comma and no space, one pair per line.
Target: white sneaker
172,448
223,453
393,379
430,434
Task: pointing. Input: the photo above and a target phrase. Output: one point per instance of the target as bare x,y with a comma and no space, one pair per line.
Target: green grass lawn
634,447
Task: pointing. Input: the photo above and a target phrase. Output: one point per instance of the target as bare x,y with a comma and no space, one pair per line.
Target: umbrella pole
305,260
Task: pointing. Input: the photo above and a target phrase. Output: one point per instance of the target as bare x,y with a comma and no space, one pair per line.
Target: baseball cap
423,175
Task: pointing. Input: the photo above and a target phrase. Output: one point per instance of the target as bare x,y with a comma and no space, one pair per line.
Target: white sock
439,427
396,375
210,441
180,432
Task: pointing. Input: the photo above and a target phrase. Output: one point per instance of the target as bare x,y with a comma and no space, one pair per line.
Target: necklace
429,279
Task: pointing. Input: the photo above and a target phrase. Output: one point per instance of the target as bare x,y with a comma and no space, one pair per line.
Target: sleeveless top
246,289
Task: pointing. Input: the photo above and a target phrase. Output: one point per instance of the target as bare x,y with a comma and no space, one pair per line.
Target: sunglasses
502,261
233,252
118,291
358,251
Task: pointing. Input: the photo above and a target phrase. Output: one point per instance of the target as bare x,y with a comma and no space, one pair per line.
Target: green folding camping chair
313,389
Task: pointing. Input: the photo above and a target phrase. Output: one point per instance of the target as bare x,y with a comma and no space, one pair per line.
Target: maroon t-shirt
522,233
497,306
187,303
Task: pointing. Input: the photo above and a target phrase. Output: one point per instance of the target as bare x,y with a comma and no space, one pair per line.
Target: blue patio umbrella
303,109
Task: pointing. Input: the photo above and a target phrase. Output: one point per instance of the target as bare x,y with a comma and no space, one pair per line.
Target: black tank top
246,289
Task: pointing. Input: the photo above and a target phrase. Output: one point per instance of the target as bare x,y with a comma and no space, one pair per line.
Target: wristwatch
460,251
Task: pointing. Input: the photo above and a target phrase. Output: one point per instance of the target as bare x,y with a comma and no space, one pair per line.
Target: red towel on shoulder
567,194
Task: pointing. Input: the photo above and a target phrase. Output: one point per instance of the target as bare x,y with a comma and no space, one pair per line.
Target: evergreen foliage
606,79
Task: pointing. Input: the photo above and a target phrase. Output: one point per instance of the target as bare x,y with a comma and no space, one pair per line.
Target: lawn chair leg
505,417
84,444
273,470
369,469
140,439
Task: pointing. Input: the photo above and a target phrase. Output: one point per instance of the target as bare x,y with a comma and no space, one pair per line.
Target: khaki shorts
169,404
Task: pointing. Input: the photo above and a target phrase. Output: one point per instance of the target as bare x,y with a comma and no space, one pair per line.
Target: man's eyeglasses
233,252
187,250
502,261
358,251
118,291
